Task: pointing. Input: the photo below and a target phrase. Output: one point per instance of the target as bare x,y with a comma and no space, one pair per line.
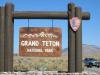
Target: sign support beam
45,15
71,40
2,32
9,29
78,43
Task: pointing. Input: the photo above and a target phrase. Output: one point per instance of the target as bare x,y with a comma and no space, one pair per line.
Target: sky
90,28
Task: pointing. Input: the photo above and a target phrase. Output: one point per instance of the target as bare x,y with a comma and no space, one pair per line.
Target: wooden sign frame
7,16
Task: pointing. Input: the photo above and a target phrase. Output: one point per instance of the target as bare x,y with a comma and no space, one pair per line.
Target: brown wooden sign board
40,41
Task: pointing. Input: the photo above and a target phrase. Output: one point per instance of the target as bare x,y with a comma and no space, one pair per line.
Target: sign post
78,42
2,29
71,39
8,43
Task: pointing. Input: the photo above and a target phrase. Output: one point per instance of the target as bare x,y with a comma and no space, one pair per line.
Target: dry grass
44,63
40,63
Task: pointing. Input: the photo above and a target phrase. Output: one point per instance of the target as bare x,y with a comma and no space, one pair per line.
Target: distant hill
88,50
91,49
65,52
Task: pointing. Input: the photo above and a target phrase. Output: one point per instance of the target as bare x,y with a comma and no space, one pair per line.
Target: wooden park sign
40,41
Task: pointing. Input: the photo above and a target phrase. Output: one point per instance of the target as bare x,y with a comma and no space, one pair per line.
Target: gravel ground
92,70
40,73
87,71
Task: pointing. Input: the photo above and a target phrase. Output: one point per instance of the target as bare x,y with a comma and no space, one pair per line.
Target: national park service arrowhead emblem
75,23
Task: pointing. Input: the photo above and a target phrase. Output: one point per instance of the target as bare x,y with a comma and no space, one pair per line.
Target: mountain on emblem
75,23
